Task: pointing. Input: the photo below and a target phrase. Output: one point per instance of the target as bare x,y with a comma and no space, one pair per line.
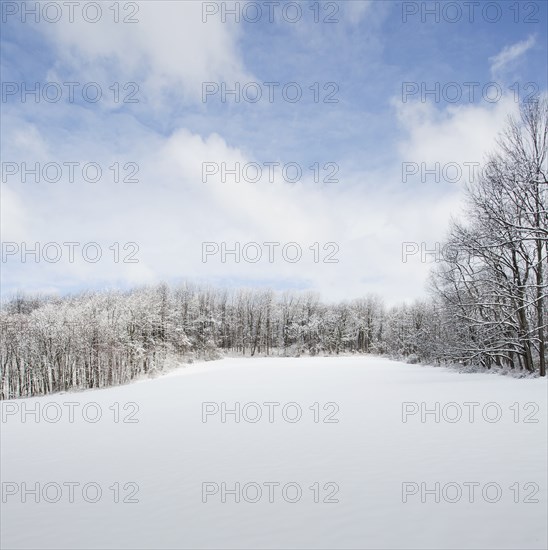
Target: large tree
493,282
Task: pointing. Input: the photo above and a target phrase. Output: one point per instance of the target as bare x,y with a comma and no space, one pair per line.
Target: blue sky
369,53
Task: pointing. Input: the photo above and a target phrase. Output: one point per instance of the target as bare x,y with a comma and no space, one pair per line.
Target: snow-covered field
172,458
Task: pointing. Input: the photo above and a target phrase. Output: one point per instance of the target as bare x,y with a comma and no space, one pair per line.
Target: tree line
486,306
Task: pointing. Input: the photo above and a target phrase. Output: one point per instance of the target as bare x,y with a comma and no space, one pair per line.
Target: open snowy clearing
155,443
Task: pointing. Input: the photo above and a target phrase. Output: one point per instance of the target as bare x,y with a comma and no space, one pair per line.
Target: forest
485,309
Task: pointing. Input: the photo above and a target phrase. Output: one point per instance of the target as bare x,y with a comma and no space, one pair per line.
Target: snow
170,452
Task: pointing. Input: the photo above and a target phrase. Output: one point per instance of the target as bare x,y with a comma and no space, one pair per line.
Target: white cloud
171,211
509,54
456,133
168,48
